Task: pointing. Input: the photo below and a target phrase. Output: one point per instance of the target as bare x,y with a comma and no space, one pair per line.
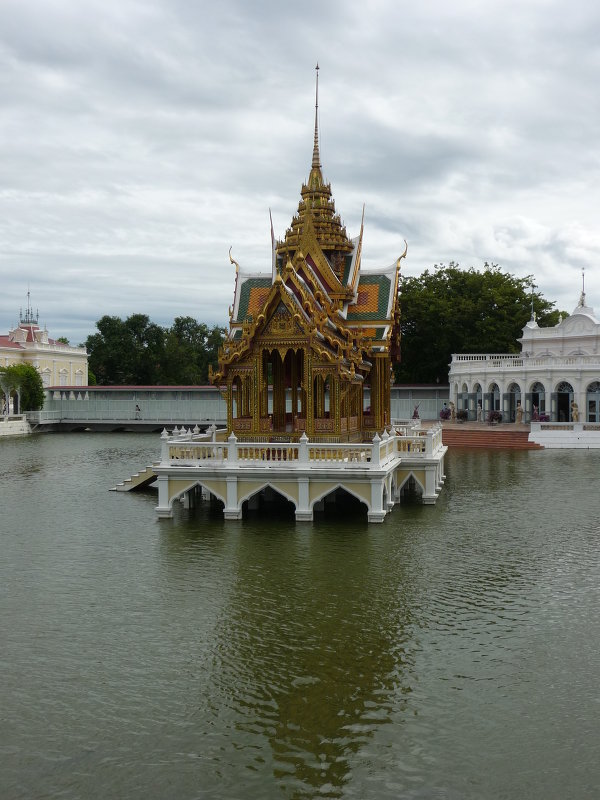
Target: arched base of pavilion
242,476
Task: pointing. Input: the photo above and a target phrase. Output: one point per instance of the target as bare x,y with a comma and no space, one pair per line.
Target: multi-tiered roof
349,315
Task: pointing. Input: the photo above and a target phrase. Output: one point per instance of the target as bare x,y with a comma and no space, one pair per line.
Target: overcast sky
142,138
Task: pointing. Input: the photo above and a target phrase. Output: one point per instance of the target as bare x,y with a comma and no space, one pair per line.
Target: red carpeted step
492,438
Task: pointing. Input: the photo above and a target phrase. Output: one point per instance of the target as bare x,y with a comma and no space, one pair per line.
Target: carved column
229,405
334,403
386,392
294,382
308,390
278,392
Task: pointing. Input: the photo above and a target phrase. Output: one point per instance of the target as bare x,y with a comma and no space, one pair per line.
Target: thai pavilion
305,372
311,343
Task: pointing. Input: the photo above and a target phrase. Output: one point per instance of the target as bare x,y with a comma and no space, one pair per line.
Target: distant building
59,364
556,377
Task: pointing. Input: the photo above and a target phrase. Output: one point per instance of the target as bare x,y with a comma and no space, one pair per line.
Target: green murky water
451,652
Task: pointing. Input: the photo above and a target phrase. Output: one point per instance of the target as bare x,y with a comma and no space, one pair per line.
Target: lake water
451,652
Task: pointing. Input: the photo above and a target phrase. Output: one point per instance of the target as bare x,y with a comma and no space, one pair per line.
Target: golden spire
316,161
318,204
315,179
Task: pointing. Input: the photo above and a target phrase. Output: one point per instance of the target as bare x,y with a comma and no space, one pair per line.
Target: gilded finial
233,261
403,254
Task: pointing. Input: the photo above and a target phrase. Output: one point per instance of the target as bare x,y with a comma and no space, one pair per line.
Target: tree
139,352
63,339
451,310
32,388
126,352
190,347
9,382
25,379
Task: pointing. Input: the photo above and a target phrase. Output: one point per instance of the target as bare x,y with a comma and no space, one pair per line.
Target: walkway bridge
153,408
129,408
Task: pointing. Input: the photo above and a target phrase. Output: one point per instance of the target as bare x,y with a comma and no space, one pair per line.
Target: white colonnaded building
555,377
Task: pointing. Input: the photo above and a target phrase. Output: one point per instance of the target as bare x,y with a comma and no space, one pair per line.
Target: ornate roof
316,221
316,275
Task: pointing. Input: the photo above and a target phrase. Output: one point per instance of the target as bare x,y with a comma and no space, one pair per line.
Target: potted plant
494,417
462,415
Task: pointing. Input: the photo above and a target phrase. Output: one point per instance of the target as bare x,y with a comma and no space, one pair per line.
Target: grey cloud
141,140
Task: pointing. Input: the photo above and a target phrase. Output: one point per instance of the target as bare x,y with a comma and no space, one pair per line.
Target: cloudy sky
140,139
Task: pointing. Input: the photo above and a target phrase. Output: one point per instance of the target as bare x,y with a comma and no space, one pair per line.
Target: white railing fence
188,448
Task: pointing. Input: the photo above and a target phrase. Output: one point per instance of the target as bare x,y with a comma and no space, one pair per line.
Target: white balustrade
187,449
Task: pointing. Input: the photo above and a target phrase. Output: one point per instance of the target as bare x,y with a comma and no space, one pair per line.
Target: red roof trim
99,388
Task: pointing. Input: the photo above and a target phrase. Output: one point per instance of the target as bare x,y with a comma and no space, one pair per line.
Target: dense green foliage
25,379
452,310
138,352
31,389
445,311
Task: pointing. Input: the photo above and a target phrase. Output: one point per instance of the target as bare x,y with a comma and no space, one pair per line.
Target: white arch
267,485
406,478
202,486
566,383
334,489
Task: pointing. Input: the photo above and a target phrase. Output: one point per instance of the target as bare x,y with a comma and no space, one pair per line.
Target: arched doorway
561,402
593,402
491,400
535,402
464,404
511,398
463,397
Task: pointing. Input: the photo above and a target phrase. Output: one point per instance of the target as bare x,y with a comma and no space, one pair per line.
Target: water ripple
450,652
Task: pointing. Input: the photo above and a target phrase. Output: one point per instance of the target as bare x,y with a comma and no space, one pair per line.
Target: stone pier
305,473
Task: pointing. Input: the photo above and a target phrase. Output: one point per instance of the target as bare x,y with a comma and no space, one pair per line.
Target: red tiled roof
6,342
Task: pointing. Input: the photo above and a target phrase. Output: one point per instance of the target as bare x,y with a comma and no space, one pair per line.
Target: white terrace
305,473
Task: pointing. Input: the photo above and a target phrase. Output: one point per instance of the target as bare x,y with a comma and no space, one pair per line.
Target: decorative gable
282,323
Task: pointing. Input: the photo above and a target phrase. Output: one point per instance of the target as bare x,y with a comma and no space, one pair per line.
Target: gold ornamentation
295,344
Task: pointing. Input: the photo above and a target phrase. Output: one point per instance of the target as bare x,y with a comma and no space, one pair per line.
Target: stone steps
464,436
137,481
